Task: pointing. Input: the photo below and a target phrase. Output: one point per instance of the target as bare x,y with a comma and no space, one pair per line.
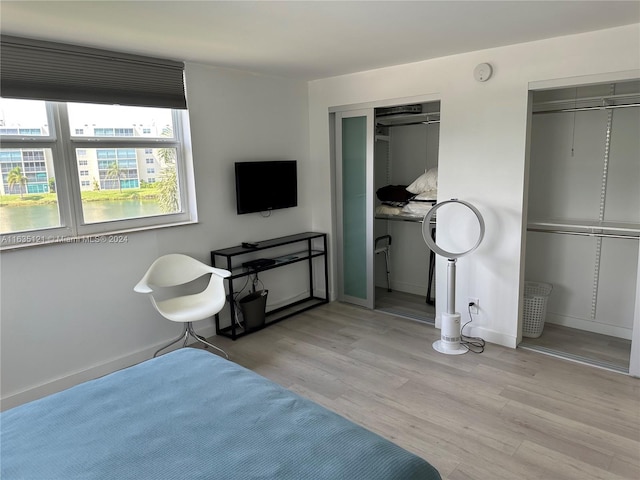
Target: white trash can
536,295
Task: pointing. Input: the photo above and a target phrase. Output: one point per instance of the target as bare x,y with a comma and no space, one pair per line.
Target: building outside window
121,192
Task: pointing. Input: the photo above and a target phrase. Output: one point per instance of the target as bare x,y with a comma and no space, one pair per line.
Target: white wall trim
585,80
432,97
68,381
490,336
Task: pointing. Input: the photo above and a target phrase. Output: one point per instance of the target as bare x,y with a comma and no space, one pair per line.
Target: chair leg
202,339
183,336
432,268
386,264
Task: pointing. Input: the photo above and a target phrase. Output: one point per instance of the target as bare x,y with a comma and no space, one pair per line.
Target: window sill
25,240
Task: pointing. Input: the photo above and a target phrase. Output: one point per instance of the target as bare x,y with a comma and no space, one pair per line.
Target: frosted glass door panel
354,185
354,197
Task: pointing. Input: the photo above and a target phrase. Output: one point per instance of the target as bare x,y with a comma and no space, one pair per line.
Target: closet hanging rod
428,122
586,234
601,98
582,109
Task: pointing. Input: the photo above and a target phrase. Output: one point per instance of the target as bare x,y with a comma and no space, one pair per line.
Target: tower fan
450,334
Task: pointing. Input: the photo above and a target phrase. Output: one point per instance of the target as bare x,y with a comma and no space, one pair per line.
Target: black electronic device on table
259,263
250,244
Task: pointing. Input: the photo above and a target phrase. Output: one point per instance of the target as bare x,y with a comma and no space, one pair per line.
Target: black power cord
473,344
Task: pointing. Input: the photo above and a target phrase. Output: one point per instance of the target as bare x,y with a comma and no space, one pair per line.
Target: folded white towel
417,209
388,210
427,195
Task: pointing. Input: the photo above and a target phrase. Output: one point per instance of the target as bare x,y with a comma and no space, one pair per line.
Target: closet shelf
588,103
586,227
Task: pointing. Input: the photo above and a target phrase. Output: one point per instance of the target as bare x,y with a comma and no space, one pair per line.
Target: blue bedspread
192,415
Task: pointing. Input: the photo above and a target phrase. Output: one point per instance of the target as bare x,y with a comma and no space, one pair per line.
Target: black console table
304,247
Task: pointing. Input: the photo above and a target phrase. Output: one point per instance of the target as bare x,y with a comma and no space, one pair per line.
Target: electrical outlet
475,308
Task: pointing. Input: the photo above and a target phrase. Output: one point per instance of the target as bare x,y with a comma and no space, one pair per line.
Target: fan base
439,346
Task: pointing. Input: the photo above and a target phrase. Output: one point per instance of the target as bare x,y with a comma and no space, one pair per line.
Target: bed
190,414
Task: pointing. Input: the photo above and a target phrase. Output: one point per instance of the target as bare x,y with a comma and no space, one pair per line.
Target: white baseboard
489,336
68,381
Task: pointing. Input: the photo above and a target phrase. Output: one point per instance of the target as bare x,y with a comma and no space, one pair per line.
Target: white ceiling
307,39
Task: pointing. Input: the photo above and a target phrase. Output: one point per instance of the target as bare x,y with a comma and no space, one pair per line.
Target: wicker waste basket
536,295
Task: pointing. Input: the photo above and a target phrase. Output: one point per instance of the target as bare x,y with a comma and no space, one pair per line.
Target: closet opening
405,185
583,221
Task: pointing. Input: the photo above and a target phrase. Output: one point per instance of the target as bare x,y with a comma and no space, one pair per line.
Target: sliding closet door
354,194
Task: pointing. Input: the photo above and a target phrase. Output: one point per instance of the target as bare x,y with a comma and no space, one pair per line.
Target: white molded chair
177,269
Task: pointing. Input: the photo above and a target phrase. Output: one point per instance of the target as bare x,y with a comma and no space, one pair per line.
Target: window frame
63,145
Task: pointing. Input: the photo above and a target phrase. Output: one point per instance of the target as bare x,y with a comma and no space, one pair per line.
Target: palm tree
116,173
15,177
168,189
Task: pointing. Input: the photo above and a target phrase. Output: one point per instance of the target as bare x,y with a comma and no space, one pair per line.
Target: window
110,179
113,132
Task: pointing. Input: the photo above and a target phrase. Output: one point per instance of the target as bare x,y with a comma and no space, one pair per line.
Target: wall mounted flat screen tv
265,186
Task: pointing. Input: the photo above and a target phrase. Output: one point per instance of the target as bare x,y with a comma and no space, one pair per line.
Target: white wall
483,147
69,312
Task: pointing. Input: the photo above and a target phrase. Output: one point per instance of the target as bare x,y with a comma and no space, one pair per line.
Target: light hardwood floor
604,350
405,305
503,414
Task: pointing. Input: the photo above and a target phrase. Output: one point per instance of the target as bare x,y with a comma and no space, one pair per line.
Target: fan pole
451,286
449,342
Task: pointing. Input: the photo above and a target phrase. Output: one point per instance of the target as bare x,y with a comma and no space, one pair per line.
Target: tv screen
265,186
